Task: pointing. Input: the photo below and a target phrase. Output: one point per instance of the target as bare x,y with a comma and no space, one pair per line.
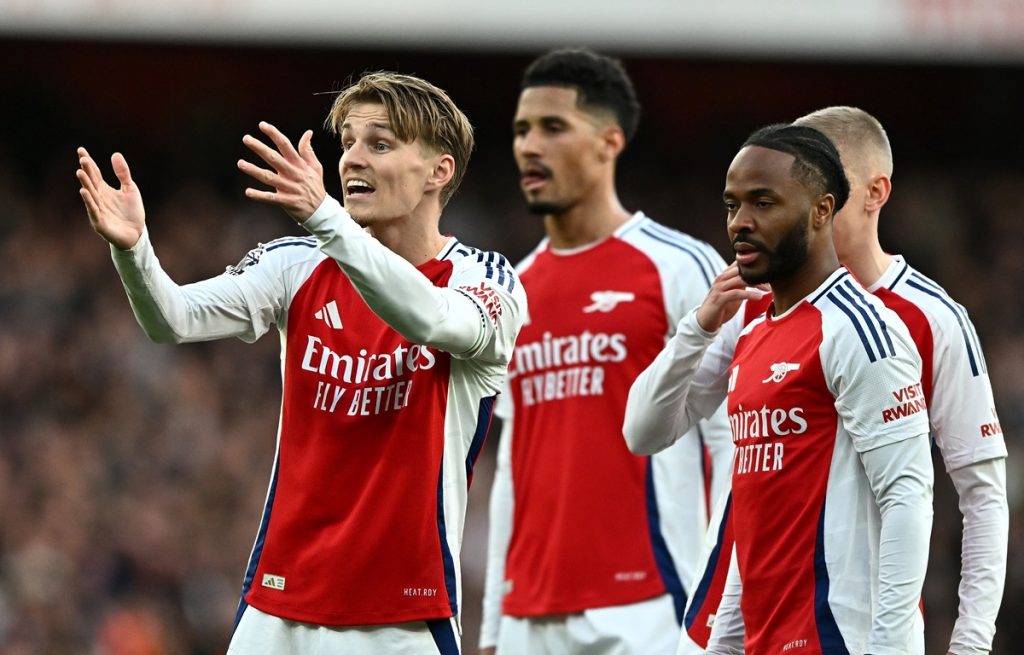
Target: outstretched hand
297,176
117,215
724,298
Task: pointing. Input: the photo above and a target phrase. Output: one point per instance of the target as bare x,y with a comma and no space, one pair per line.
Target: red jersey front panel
784,426
358,467
581,535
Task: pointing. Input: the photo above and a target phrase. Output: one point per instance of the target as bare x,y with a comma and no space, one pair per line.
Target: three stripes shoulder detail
306,242
496,267
701,253
971,342
852,301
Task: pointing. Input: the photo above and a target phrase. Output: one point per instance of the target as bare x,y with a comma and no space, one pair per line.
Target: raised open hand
297,176
117,215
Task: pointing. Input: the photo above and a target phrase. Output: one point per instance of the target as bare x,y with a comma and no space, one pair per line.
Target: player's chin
753,275
541,207
360,215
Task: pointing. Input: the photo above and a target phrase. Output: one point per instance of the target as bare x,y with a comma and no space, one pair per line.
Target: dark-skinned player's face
768,215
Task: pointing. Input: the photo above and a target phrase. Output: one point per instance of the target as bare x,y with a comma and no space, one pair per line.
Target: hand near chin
724,298
296,175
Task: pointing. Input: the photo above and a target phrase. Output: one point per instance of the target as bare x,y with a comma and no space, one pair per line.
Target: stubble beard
545,208
783,262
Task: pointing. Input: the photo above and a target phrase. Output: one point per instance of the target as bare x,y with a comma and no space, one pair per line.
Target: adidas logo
329,315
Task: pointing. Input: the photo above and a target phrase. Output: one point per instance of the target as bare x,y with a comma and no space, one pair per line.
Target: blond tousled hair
416,110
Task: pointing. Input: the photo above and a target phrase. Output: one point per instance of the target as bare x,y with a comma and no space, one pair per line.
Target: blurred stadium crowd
132,475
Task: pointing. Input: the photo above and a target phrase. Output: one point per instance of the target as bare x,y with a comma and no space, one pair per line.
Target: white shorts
645,628
916,646
261,633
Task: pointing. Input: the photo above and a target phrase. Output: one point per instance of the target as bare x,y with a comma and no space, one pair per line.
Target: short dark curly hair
601,82
817,164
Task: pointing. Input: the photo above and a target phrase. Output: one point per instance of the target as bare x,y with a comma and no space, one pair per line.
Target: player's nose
741,221
353,157
528,144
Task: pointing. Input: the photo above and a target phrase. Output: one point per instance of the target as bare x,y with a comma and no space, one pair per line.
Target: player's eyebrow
547,121
372,126
748,193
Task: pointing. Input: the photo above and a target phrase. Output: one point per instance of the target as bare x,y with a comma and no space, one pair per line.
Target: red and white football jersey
592,524
955,376
808,391
961,412
830,425
378,436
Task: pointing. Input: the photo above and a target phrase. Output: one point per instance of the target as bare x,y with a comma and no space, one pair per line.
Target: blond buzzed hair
858,136
416,109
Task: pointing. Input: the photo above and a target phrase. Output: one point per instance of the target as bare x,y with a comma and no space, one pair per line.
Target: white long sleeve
222,306
685,382
966,429
445,318
469,321
499,533
982,491
717,433
727,634
900,475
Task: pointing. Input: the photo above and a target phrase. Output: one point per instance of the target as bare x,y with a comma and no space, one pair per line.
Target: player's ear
442,172
879,188
612,142
822,211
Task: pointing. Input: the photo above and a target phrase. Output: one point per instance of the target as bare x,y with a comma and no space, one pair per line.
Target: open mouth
358,189
533,176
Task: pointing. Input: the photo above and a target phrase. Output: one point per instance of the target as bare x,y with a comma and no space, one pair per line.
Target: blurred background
132,476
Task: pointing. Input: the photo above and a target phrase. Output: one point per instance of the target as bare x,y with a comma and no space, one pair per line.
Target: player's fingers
261,150
268,197
729,281
272,157
736,296
92,170
268,177
306,149
83,155
91,208
284,145
121,170
85,180
728,273
748,293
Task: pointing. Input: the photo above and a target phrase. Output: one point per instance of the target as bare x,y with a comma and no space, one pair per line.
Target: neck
594,218
862,253
786,293
415,241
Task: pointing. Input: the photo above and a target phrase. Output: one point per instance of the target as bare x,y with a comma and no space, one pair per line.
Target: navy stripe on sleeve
851,314
698,257
875,324
926,286
307,242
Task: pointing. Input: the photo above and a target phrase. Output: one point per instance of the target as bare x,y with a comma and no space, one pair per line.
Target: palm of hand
117,215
